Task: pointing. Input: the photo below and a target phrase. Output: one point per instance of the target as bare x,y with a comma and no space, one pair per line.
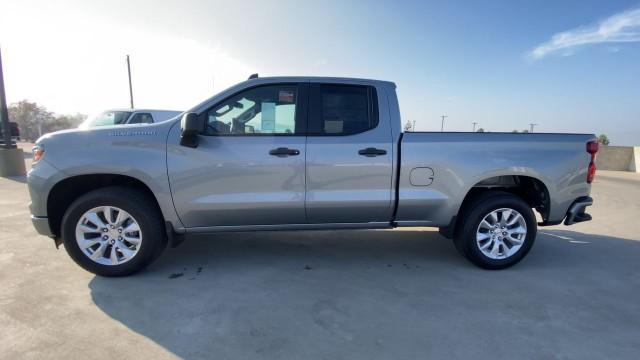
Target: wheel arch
67,190
529,188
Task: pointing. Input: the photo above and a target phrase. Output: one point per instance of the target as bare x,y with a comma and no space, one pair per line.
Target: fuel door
421,176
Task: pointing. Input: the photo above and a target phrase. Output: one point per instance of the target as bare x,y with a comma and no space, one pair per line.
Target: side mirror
191,126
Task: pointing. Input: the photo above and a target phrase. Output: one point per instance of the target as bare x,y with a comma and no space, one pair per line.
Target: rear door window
342,109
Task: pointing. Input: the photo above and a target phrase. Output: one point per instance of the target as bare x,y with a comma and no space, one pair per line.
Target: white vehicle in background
128,117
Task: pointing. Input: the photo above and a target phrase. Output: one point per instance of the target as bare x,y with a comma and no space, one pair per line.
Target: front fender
138,152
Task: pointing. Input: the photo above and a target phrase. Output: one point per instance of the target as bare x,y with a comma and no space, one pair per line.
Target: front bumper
576,212
41,223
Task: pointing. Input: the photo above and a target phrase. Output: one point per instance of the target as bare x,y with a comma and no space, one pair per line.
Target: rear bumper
41,224
576,212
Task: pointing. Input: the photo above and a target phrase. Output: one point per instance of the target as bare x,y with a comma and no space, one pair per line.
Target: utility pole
442,124
4,114
130,87
474,126
531,126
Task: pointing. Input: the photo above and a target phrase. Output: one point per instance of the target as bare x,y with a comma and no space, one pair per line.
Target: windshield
109,118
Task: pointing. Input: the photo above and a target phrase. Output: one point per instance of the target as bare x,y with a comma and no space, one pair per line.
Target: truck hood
105,148
105,132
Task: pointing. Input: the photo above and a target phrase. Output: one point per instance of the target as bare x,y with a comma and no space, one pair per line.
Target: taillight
592,149
591,174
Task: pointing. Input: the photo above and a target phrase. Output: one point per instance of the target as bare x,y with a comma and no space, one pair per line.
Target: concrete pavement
331,295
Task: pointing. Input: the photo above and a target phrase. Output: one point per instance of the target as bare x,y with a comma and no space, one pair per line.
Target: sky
567,66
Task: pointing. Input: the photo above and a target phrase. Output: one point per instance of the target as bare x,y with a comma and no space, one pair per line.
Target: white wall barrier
620,158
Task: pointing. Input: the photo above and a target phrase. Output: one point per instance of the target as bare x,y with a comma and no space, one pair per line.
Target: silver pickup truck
298,153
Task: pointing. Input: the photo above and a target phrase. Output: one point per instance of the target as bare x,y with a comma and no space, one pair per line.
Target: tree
408,126
30,118
480,130
35,120
603,139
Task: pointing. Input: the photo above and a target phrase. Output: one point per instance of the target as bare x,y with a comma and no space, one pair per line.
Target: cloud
623,27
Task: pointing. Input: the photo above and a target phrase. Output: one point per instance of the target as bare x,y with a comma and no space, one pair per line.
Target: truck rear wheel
113,231
497,230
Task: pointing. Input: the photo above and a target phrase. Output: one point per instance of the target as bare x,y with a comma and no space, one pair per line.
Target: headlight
38,152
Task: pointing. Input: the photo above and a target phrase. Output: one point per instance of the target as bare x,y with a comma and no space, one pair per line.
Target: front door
249,166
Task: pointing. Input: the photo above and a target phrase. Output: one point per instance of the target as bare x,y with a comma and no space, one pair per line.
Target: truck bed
460,161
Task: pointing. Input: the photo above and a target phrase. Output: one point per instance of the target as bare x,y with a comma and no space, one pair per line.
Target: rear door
248,168
349,155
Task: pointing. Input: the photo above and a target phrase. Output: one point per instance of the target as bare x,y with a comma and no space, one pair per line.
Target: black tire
143,209
475,212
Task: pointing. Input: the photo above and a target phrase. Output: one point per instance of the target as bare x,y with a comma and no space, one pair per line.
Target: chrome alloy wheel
108,235
501,233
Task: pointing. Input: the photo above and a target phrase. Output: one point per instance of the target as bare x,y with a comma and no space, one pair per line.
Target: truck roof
319,78
286,79
142,109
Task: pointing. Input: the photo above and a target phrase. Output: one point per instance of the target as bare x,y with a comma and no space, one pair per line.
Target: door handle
283,152
371,152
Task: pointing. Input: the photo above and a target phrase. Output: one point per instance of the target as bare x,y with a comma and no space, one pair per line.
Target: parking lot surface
392,294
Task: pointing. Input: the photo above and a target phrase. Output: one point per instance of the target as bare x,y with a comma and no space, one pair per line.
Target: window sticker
268,116
333,126
286,96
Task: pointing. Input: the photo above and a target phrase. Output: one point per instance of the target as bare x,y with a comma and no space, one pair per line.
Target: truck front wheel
113,231
496,230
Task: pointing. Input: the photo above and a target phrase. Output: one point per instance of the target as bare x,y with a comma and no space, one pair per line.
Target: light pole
532,126
11,158
474,126
442,124
130,87
4,114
